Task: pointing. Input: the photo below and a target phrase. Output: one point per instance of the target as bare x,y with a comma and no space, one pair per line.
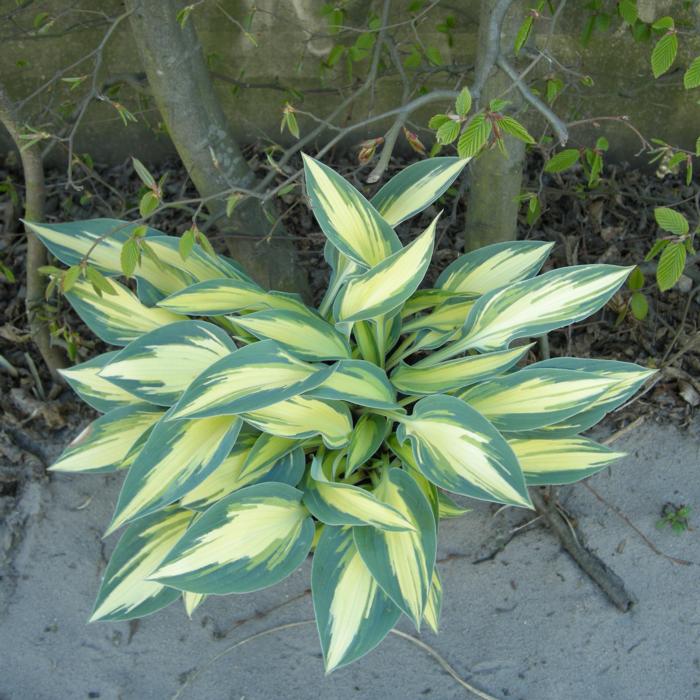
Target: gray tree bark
494,179
182,88
36,253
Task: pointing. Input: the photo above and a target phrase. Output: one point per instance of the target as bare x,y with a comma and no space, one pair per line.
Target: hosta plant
253,430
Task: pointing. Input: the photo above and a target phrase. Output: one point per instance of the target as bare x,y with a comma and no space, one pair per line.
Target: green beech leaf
463,103
515,128
639,306
671,265
671,220
523,33
457,449
475,136
628,11
249,540
691,77
447,132
562,161
664,54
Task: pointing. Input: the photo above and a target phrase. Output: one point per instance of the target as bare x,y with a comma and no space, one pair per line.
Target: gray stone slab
524,624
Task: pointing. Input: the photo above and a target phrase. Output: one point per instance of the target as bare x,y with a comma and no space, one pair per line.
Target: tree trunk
36,253
494,179
182,88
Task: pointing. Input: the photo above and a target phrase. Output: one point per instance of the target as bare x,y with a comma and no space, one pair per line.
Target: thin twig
626,520
556,123
599,572
301,623
444,664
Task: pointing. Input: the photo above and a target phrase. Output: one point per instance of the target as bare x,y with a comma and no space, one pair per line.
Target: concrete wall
292,39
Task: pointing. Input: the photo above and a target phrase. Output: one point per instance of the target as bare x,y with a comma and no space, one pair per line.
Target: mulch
611,224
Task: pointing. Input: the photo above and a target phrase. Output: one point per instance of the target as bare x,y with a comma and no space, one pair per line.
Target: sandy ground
523,624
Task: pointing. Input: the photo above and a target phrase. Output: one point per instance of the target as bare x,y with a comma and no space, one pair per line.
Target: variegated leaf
353,614
535,306
448,508
306,335
366,341
457,449
342,268
434,606
108,441
560,460
229,477
359,382
158,366
102,239
402,562
226,296
454,374
408,462
248,379
302,417
265,453
97,392
201,265
116,318
177,456
628,377
383,288
449,316
192,601
527,400
423,299
349,221
336,503
249,540
494,266
416,187
366,439
126,591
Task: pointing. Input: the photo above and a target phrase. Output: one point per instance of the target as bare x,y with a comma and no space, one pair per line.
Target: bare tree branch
557,124
36,253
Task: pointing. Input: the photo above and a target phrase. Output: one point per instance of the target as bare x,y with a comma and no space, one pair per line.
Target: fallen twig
606,579
624,518
293,625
